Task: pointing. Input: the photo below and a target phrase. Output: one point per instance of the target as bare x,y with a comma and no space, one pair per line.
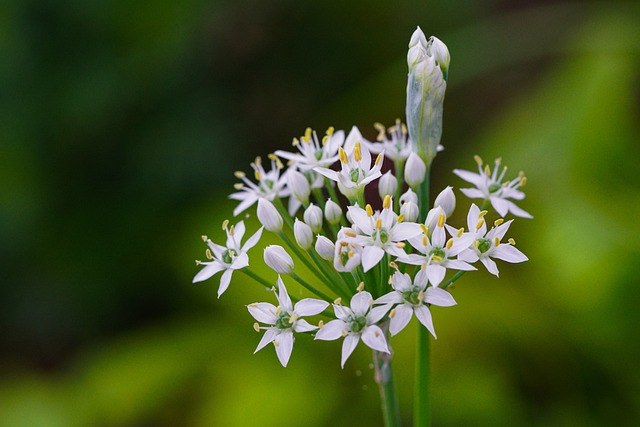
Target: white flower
387,185
269,216
447,201
356,171
414,171
347,254
298,186
489,186
437,252
231,257
413,298
355,323
278,259
270,185
284,320
487,245
325,248
380,232
396,145
303,234
313,216
409,196
314,153
332,212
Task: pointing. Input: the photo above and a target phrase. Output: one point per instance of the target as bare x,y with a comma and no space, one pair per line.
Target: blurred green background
121,123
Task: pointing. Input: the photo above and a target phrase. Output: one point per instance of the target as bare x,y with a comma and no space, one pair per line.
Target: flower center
412,296
268,184
354,174
318,154
283,321
438,252
382,234
356,323
227,256
484,245
494,187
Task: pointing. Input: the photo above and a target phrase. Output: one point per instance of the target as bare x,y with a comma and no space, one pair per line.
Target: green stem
451,281
399,169
310,288
386,386
257,278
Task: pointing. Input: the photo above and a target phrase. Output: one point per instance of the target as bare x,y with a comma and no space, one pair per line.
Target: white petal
263,312
472,193
499,231
404,231
401,318
471,177
424,316
436,273
439,297
269,335
458,264
349,344
392,297
468,255
331,174
224,282
209,270
241,261
514,209
246,203
509,253
421,279
304,326
310,307
361,302
371,256
472,217
360,219
342,312
253,240
284,346
331,331
378,313
373,337
500,205
490,264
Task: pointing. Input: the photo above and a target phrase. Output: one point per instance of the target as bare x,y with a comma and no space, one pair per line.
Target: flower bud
332,212
325,248
313,217
447,201
303,234
298,185
269,216
278,259
411,211
417,48
440,52
409,196
414,171
388,184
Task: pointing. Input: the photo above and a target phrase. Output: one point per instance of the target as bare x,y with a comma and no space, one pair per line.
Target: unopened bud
414,171
278,259
446,200
387,185
298,185
325,248
332,212
269,216
303,234
313,217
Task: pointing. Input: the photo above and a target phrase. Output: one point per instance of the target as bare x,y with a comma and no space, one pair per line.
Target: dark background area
121,124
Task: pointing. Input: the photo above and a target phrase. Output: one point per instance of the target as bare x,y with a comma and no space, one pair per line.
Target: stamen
379,223
512,241
350,233
320,324
480,224
258,161
449,243
225,224
208,254
476,243
487,170
421,296
257,174
360,287
369,210
238,186
424,228
256,327
436,258
295,142
357,154
441,219
325,139
198,262
401,245
344,333
387,202
350,254
478,160
337,301
523,181
343,155
307,133
330,131
424,240
204,238
278,310
379,159
496,241
343,243
482,213
392,313
459,233
232,230
498,221
239,174
394,266
400,218
423,266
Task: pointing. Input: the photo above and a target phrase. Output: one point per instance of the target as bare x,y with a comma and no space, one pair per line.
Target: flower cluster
376,257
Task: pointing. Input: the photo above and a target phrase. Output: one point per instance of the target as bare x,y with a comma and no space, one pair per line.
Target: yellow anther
487,170
482,213
343,155
330,131
320,324
476,243
436,258
208,254
401,245
424,240
379,159
307,132
232,230
350,233
379,127
424,228
392,313
496,241
360,287
390,281
272,156
480,224
344,333
295,142
343,243
478,160
337,301
256,327
449,243
257,174
279,164
238,186
423,266
459,233
239,174
498,161
357,154
198,262
305,139
379,223
498,221
258,161
520,174
204,238
225,224
278,310
394,266
400,218
351,254
293,318
276,344
421,296
253,305
325,139
441,219
523,181
403,127
512,241
369,210
386,203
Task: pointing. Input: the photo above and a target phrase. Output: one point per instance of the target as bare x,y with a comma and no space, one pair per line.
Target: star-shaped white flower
413,298
437,252
356,169
231,257
355,323
489,186
314,153
394,142
380,232
347,252
488,245
284,320
269,185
